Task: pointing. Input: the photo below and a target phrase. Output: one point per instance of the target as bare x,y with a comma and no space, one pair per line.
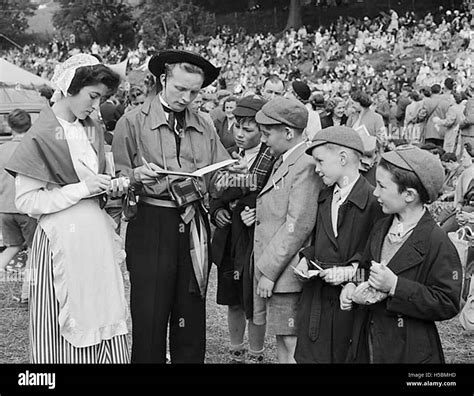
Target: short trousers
278,312
17,229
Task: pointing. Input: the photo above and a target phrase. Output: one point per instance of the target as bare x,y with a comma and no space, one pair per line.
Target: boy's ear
343,157
290,134
411,195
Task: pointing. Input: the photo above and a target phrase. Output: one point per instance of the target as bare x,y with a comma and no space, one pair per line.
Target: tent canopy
13,75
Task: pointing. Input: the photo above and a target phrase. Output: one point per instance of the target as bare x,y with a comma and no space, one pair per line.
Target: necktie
277,163
175,123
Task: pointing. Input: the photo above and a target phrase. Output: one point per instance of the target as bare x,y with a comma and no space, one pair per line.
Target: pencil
84,164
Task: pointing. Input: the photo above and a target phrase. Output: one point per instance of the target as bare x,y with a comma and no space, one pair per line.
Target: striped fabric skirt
46,343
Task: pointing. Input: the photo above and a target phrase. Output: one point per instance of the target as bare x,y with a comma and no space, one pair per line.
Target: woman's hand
97,183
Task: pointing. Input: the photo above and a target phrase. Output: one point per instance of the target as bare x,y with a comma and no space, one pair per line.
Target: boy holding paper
346,212
412,270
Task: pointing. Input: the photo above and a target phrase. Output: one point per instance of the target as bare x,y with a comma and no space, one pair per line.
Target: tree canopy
14,16
105,22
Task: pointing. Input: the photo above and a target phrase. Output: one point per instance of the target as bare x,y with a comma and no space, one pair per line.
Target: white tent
13,75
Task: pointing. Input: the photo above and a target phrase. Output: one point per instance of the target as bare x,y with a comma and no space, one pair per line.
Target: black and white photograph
237,192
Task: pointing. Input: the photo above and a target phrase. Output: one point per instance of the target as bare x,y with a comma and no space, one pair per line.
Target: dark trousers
160,267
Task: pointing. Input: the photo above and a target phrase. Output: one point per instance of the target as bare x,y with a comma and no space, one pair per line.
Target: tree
295,19
14,16
166,23
105,22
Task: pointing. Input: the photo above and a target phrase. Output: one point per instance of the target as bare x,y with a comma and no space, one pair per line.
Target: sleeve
438,297
34,199
300,220
450,118
124,147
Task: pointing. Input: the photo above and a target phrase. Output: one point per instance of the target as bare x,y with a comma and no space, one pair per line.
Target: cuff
392,290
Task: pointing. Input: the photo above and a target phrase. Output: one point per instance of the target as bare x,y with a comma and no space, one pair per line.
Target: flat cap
424,164
283,111
340,135
249,105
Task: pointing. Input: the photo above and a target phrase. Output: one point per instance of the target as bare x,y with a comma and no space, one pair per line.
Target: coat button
258,222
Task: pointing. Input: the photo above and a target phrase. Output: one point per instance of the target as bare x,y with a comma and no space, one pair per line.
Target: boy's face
387,194
328,164
275,137
246,134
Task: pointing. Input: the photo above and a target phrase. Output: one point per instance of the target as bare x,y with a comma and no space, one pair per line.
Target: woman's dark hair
405,179
93,75
363,98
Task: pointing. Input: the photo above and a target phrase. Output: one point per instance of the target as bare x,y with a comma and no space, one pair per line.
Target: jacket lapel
324,208
413,251
359,196
275,179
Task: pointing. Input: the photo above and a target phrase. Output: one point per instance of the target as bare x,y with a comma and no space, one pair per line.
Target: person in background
272,87
335,113
301,91
225,126
17,228
365,117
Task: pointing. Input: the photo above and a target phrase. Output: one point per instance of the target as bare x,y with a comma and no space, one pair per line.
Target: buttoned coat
324,330
402,327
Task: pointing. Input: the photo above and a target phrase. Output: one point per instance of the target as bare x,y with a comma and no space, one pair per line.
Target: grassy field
458,345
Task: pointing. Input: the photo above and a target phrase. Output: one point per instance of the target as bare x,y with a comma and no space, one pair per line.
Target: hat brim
244,112
314,144
156,65
395,159
263,119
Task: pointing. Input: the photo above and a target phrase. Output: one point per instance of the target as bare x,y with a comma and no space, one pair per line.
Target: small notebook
200,172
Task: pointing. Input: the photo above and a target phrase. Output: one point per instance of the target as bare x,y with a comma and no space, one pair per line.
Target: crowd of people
338,164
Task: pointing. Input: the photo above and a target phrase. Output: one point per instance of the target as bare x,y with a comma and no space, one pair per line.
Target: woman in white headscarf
77,307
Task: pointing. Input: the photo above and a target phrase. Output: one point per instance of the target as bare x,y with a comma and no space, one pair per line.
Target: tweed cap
249,106
424,164
340,135
283,111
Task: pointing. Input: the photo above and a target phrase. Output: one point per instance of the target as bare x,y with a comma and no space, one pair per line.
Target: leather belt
158,202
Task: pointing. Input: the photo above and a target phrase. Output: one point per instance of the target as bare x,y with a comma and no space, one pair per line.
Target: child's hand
345,298
223,218
302,268
248,216
337,275
381,277
265,287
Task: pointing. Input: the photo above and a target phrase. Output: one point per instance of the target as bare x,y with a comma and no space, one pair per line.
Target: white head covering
64,73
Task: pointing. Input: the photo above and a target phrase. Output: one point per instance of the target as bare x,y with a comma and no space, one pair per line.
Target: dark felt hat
425,165
157,64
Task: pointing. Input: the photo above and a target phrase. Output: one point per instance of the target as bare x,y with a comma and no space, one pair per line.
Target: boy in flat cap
346,213
168,278
284,218
232,243
412,270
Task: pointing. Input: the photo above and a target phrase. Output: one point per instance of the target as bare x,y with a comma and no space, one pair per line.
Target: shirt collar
346,190
153,108
287,153
253,150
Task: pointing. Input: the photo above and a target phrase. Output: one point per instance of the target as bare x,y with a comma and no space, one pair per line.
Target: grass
457,343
